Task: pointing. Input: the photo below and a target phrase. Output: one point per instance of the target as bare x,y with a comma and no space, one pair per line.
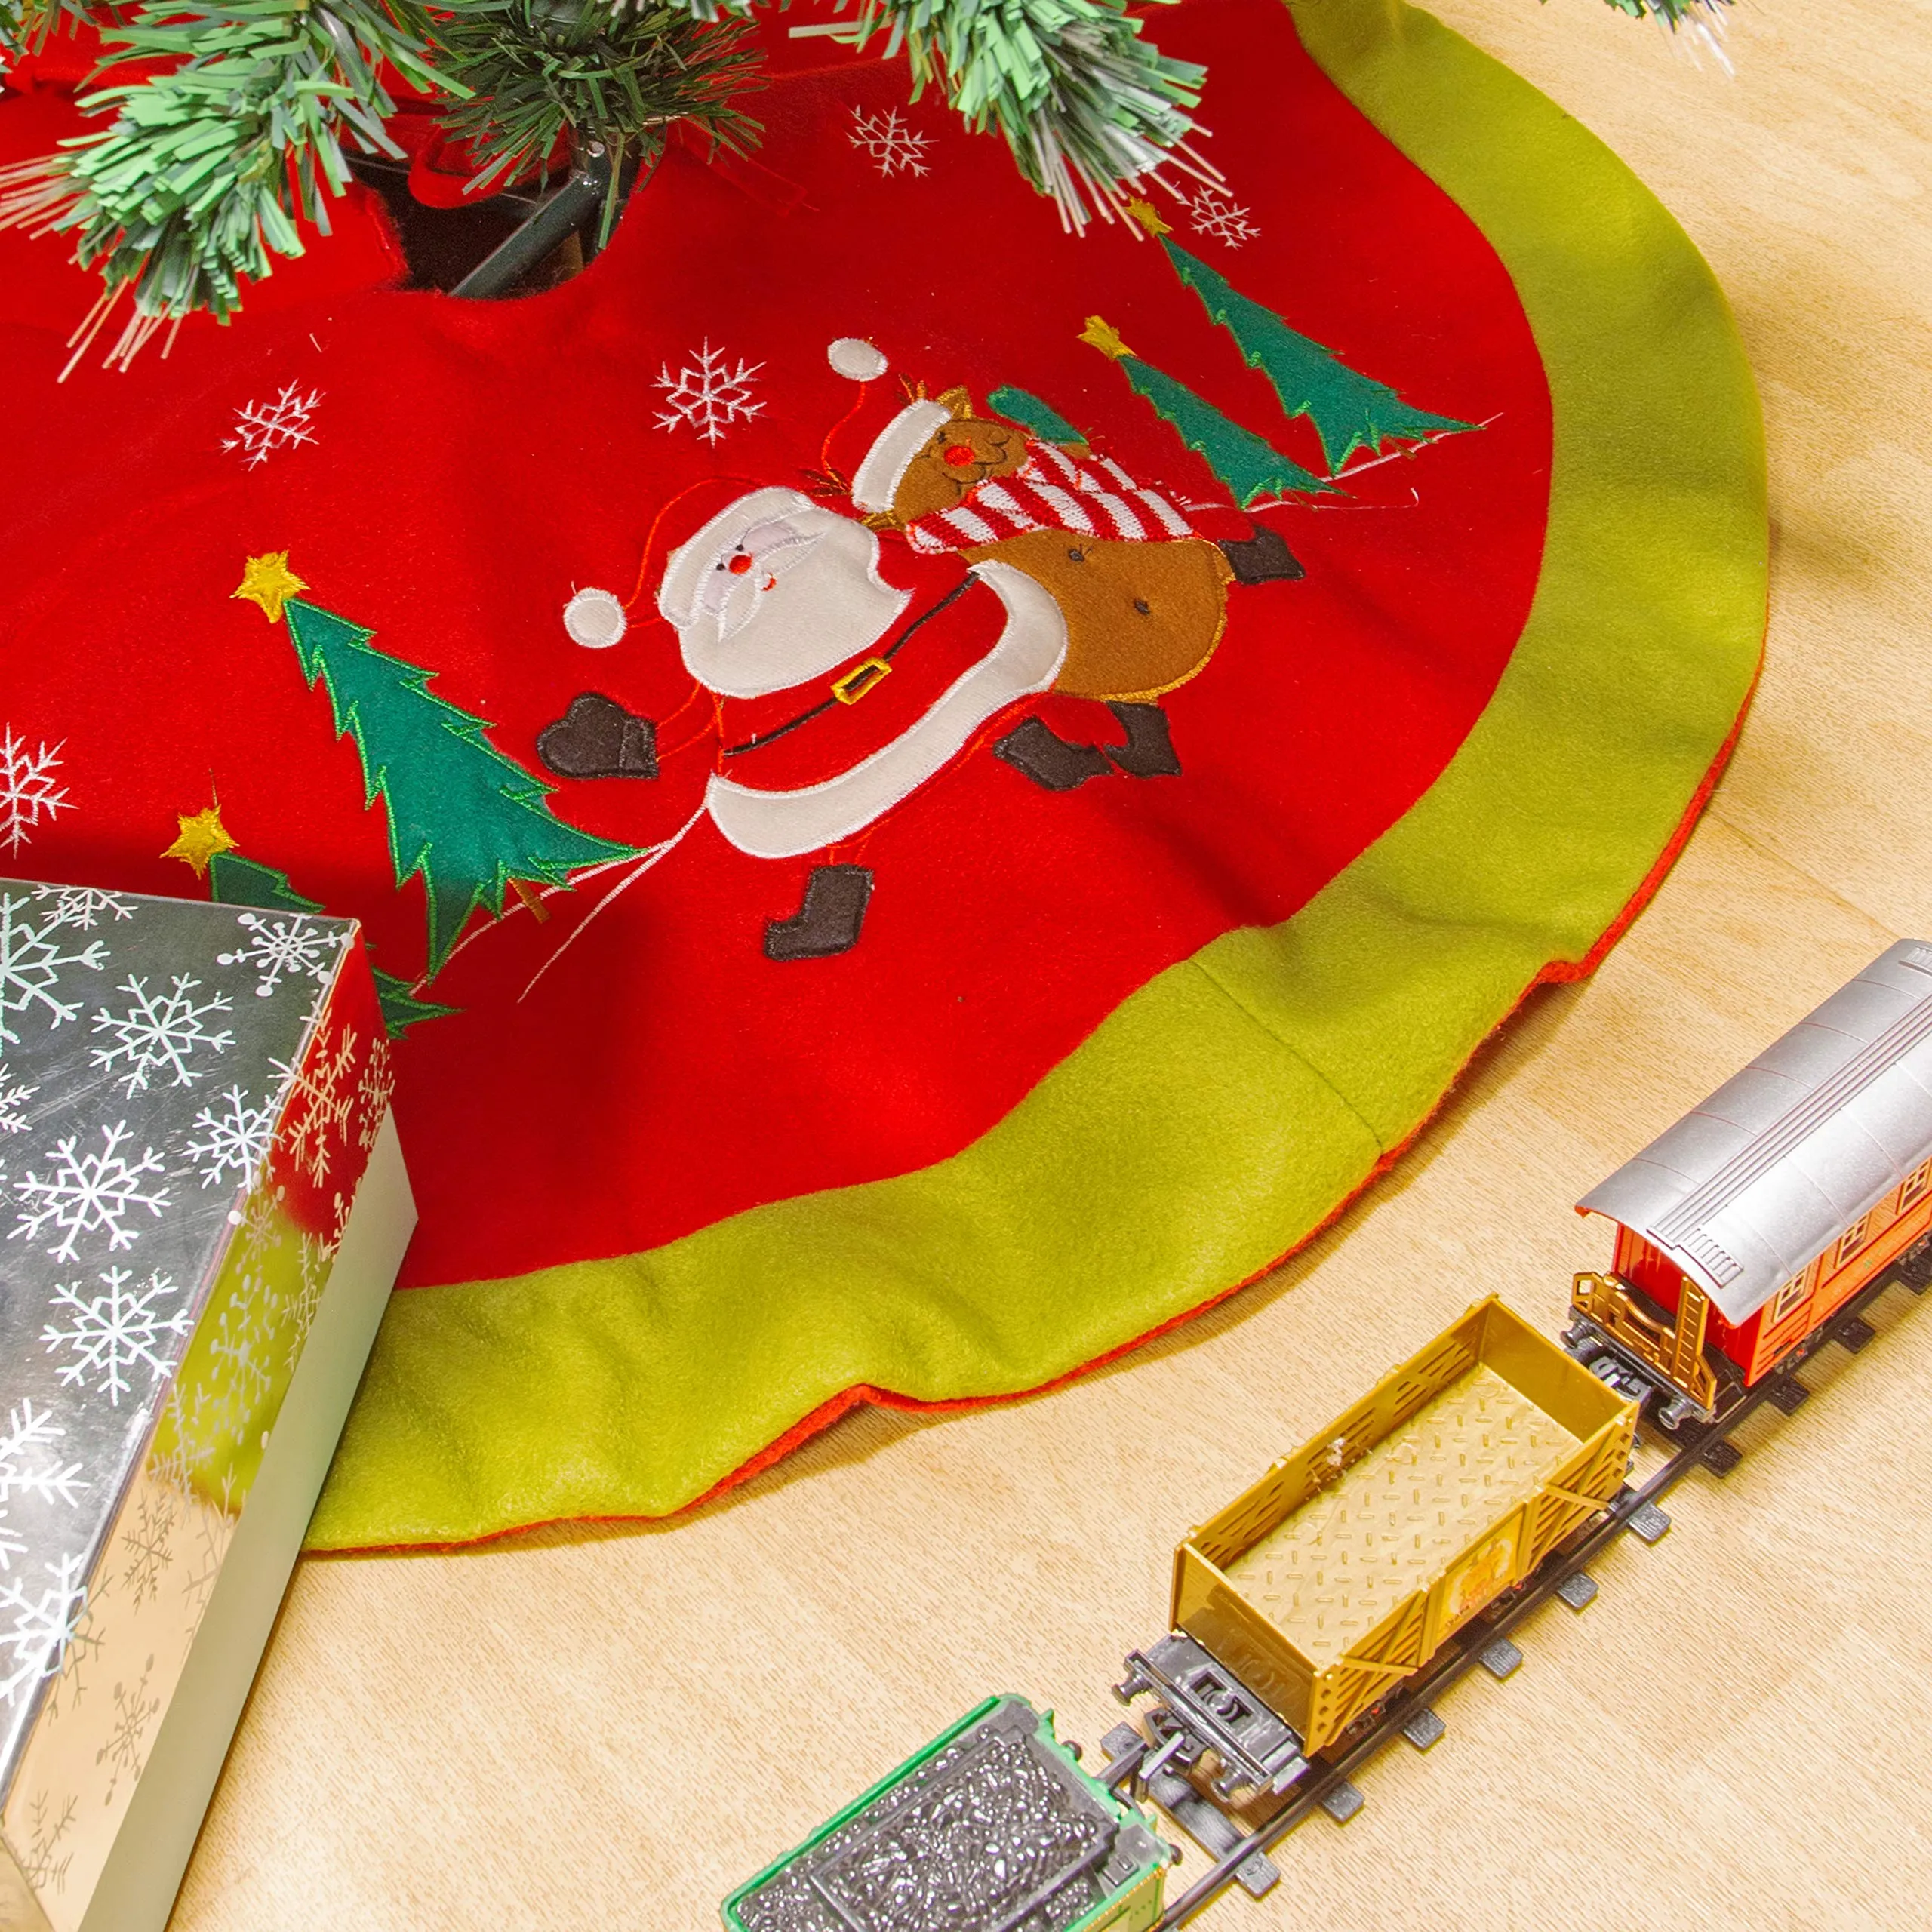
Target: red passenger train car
1749,1224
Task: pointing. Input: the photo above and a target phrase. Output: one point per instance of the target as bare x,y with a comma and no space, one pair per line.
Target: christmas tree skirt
1059,749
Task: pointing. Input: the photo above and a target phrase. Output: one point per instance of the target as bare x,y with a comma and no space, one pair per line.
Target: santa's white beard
811,599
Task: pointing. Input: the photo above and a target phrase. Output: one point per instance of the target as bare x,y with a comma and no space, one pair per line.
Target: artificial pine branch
1088,108
1675,13
621,76
25,25
208,165
199,179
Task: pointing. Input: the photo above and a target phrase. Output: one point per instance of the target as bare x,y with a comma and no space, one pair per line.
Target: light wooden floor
608,1731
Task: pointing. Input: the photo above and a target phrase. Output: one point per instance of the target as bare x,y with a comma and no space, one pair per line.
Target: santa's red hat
896,441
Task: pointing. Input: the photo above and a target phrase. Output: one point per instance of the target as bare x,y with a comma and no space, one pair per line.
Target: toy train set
1314,1619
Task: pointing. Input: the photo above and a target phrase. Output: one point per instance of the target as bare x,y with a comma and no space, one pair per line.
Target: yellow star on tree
267,581
1149,217
202,835
1102,335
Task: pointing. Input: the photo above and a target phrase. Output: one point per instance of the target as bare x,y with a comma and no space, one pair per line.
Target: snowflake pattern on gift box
70,1686
31,1465
244,1350
124,1461
33,966
233,1139
148,1544
47,1825
319,1101
707,395
125,1753
261,1222
318,1257
294,945
89,1193
158,1032
893,147
28,791
262,429
44,1618
15,1095
112,1333
83,905
374,1092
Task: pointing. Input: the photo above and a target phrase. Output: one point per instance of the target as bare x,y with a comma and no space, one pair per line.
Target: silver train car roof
1752,1184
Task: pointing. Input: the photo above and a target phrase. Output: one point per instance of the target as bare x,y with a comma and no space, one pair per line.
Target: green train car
994,1824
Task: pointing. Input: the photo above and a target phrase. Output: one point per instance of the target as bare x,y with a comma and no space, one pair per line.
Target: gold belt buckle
860,679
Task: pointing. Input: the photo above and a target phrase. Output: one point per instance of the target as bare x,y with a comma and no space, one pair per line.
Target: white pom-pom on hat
857,360
595,619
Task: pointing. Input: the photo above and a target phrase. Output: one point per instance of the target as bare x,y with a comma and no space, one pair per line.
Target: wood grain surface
609,1729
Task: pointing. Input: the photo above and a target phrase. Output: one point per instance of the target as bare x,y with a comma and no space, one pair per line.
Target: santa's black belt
858,681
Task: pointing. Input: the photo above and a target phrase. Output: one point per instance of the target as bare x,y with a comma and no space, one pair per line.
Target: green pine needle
1675,13
1088,107
199,180
620,75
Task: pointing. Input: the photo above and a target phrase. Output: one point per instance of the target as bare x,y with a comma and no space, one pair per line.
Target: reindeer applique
1144,595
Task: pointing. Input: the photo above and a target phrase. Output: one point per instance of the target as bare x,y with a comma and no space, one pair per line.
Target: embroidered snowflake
15,1095
84,1193
126,1748
149,1544
82,905
318,1103
45,1617
31,964
293,945
159,1031
707,394
28,793
42,1870
893,147
1213,213
234,1136
281,424
112,1333
27,1468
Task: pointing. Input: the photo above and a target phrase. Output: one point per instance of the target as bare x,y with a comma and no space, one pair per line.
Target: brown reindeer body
1143,614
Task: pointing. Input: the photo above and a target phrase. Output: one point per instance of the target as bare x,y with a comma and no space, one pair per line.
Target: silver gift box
201,1212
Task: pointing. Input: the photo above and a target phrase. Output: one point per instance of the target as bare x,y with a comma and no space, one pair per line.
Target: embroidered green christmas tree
467,819
1022,407
1250,466
1350,411
235,881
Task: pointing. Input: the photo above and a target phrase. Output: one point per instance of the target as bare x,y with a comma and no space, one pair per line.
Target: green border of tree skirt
1222,1113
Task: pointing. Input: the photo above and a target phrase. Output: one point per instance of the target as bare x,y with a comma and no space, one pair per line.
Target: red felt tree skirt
471,465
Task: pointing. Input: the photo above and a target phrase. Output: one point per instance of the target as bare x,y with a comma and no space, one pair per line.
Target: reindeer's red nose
959,454
738,564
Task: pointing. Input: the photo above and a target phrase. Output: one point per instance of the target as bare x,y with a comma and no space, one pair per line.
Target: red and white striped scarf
1052,490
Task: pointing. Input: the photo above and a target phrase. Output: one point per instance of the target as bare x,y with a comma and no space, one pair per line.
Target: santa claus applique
837,688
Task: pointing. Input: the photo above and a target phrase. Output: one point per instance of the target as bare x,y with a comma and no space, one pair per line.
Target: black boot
1046,758
829,922
598,738
1149,751
1264,558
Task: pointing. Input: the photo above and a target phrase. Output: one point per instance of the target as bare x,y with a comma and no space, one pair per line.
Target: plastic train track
1326,1783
